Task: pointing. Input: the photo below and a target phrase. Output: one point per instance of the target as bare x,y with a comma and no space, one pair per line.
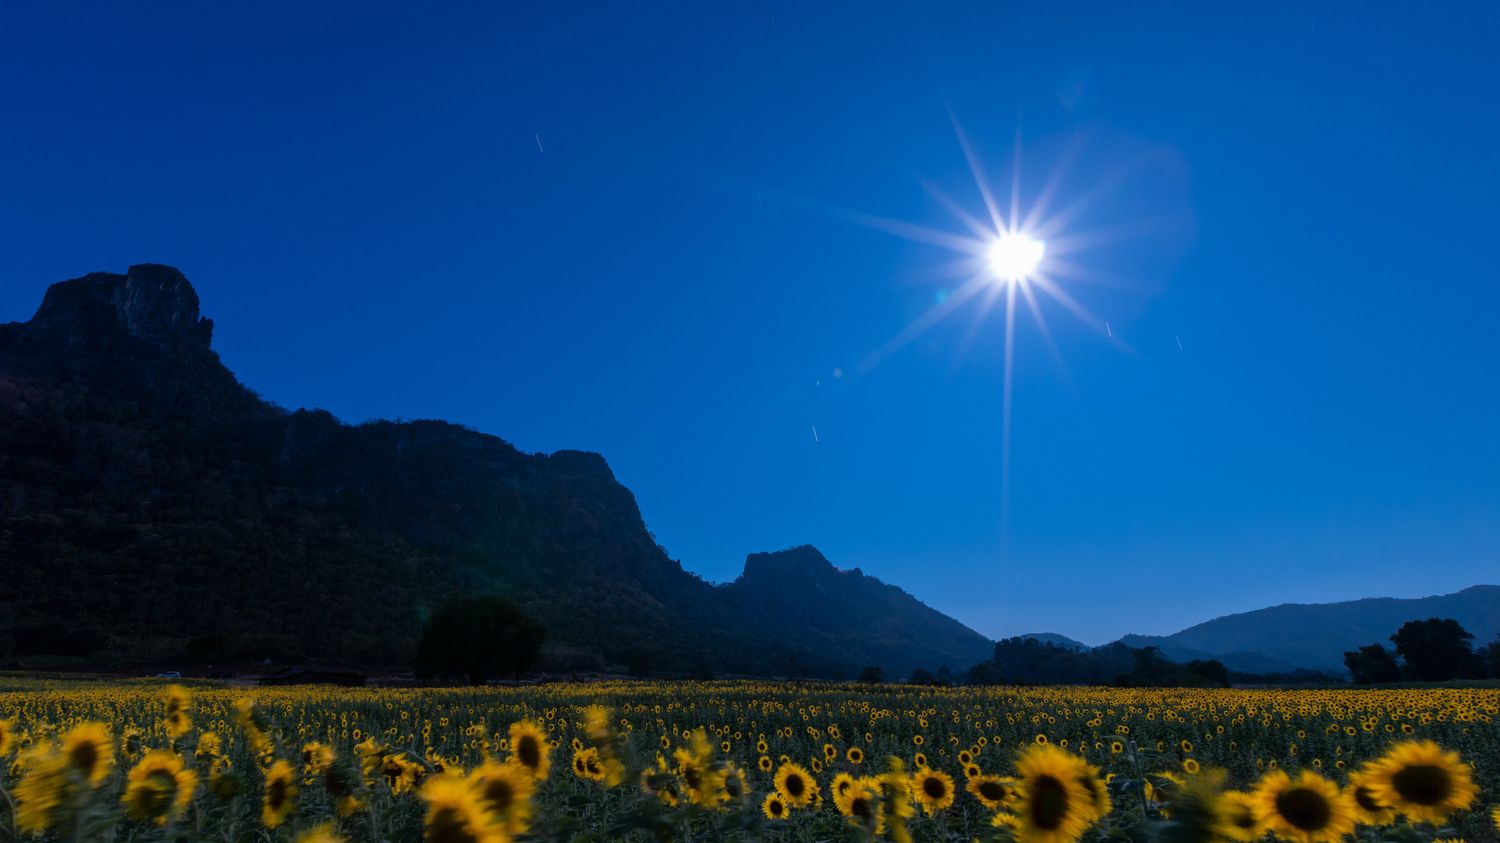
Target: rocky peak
150,302
786,566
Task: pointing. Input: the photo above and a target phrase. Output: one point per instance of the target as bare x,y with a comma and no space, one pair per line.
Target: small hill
1315,636
1056,639
152,508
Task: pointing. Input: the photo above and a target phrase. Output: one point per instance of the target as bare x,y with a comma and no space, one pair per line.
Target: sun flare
1014,257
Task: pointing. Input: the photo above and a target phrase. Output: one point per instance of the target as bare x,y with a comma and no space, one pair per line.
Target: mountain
1316,636
848,612
1056,639
153,508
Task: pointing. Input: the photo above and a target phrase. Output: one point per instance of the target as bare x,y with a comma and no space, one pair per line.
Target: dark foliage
1489,657
1030,661
1372,664
477,639
1436,650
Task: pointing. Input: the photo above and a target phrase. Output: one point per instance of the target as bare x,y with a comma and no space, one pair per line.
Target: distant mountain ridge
153,508
1316,635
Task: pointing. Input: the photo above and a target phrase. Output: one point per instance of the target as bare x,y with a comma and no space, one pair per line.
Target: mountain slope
1316,636
152,507
847,612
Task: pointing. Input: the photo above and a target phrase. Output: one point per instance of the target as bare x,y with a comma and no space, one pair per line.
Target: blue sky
639,229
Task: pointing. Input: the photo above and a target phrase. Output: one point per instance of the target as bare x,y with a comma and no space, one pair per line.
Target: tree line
1432,650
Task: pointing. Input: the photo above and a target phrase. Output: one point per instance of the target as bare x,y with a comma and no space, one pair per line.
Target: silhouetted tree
1372,663
1489,655
1152,669
871,675
1435,650
984,673
1206,672
478,638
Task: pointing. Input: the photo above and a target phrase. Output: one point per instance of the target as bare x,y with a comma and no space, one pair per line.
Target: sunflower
317,757
1495,817
1190,766
705,785
1367,809
586,765
90,751
209,745
456,813
854,754
765,764
280,796
735,786
1236,817
7,736
1052,805
42,789
321,833
1421,780
506,791
861,804
895,800
158,788
1307,809
840,786
1098,793
774,807
991,791
933,790
528,746
795,785
177,721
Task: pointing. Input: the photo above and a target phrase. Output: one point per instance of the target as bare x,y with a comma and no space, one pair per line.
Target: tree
1372,663
1206,672
871,675
1435,650
478,638
1489,654
984,673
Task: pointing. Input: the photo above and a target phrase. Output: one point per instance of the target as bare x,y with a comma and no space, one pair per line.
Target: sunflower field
747,761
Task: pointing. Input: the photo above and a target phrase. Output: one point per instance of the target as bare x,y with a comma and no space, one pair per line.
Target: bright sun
1014,257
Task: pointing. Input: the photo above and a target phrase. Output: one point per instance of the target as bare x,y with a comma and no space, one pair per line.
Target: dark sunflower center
934,787
1366,799
690,775
860,807
276,793
1304,809
499,793
1048,805
1243,818
993,791
795,786
1423,784
84,757
529,753
154,798
777,808
448,826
